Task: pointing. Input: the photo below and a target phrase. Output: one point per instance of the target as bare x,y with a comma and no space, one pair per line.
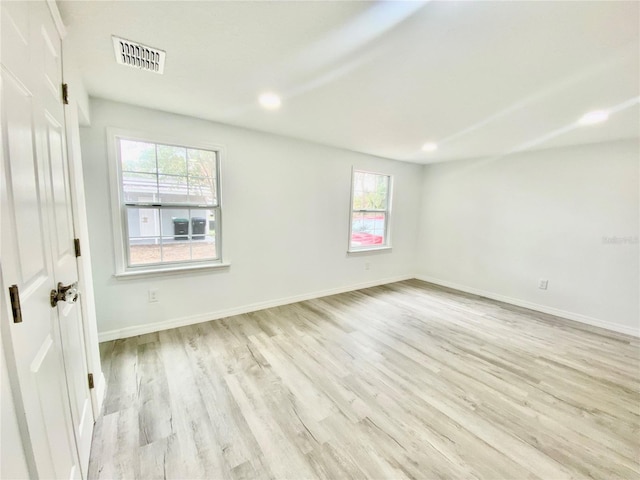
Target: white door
47,347
65,266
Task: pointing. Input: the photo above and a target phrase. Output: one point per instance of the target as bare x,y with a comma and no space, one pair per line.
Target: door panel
52,60
62,222
45,371
14,22
80,400
27,222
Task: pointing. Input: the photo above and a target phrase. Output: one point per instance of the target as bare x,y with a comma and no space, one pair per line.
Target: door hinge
65,94
14,294
76,244
90,380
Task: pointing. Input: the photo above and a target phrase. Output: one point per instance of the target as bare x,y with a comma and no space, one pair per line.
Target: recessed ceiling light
591,118
429,147
270,100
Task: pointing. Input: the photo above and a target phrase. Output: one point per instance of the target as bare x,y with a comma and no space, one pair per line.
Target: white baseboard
596,322
253,307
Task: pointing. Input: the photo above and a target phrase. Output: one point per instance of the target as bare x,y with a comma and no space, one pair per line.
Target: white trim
205,317
85,275
115,199
369,250
100,390
387,212
118,216
173,270
57,19
577,317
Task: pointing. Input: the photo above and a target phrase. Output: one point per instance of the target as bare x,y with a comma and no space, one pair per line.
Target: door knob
64,293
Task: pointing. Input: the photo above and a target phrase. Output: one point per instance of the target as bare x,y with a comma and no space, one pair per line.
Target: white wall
488,226
495,227
285,224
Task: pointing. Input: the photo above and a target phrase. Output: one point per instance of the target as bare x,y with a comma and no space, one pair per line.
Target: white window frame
387,227
119,207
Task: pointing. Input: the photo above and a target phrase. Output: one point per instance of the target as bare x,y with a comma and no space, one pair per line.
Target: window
370,211
168,205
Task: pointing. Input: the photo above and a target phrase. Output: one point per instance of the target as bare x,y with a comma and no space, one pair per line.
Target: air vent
138,56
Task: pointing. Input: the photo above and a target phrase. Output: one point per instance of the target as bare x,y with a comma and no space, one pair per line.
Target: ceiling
383,78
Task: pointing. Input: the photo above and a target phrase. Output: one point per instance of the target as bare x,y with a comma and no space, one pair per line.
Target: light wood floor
406,380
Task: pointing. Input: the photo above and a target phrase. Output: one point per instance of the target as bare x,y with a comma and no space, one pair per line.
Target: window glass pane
202,191
176,233
175,223
144,251
143,222
370,191
212,222
381,192
188,234
368,182
139,187
172,160
137,156
202,163
204,249
375,192
175,250
202,177
199,224
368,229
165,174
173,189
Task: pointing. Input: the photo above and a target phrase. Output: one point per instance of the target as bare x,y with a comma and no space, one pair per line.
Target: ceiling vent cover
138,56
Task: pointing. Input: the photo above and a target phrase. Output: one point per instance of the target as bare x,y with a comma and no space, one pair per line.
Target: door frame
73,113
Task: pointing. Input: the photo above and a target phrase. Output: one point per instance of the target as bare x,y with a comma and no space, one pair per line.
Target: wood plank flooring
407,380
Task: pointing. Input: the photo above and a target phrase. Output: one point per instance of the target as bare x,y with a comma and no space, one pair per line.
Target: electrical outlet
367,266
153,295
543,284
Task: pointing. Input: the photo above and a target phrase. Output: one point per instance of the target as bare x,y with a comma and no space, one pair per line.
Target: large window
370,211
168,199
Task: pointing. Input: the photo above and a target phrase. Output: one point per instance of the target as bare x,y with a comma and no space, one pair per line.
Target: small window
370,211
169,204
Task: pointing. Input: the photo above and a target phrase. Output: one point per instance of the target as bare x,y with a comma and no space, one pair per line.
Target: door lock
64,293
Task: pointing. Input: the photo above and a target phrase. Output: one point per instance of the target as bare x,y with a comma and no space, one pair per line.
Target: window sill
170,271
356,251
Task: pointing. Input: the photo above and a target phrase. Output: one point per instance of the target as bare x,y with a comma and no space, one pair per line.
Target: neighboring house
144,223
